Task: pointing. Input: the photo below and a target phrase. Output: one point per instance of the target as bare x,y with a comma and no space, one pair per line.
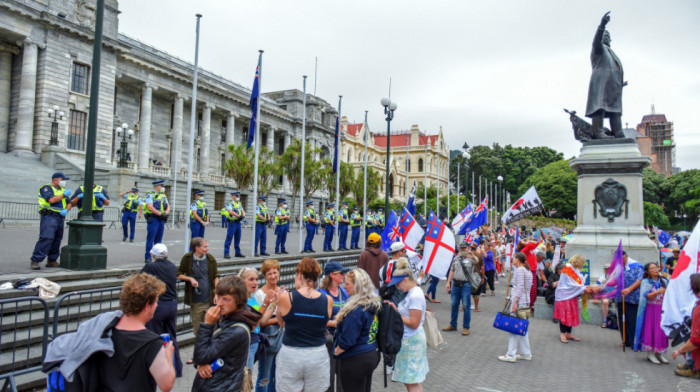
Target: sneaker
687,373
524,357
34,265
227,256
682,366
123,239
52,264
449,328
471,307
506,358
465,332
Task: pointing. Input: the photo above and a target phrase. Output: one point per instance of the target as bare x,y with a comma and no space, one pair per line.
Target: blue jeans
464,294
129,222
432,289
266,374
251,355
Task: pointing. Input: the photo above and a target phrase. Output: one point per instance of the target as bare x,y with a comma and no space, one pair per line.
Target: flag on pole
337,138
679,299
528,204
477,219
615,282
411,205
254,96
391,231
410,232
439,248
663,237
461,218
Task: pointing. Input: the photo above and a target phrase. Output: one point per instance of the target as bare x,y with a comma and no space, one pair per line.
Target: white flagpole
364,196
303,155
257,150
193,121
437,174
408,146
337,175
425,183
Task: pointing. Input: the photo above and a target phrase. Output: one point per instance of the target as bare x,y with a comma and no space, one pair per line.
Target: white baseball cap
396,246
159,250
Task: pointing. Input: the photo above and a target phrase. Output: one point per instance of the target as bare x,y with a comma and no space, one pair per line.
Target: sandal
604,325
575,339
190,361
477,310
563,340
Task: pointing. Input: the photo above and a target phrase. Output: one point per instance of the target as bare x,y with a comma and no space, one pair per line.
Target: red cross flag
439,248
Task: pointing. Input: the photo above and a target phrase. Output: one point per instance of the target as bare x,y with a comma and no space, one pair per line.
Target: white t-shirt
415,299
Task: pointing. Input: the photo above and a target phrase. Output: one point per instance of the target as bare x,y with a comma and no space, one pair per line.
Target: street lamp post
55,114
125,134
389,108
500,182
466,156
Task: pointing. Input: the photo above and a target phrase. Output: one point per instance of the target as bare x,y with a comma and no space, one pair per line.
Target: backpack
390,331
611,321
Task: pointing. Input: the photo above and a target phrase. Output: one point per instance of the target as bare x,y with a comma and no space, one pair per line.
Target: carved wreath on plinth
610,196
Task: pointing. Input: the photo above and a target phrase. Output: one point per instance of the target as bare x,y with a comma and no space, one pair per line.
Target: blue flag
337,137
411,205
254,105
664,237
391,231
478,218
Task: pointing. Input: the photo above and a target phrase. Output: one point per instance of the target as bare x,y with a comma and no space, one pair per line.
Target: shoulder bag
474,279
247,373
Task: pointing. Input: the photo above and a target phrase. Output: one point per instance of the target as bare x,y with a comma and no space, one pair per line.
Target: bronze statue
605,88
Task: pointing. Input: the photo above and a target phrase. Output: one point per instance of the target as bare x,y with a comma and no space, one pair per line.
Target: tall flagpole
408,145
337,173
437,175
303,155
473,188
257,148
425,182
193,121
480,198
364,196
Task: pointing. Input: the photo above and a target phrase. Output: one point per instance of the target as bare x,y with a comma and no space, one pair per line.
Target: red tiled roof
654,118
400,140
354,129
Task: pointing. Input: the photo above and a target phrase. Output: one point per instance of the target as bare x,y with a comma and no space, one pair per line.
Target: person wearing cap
355,224
396,250
261,217
343,223
234,215
671,261
282,228
133,203
331,285
199,215
157,210
329,221
53,208
310,221
165,317
100,199
373,258
370,224
459,286
380,220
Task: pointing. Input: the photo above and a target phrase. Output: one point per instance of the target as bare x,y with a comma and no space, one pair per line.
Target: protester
305,313
165,317
432,290
605,302
479,267
671,261
520,300
634,273
692,346
552,283
501,249
225,335
489,269
249,276
272,329
331,285
528,248
373,258
540,255
459,284
350,282
411,365
356,344
570,287
648,335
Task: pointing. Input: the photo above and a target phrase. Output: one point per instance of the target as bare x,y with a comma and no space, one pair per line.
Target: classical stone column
271,139
287,143
177,132
206,142
6,52
145,127
230,132
24,132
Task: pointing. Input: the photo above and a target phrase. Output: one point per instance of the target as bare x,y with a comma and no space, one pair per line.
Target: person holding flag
282,228
355,223
628,299
329,221
310,220
343,223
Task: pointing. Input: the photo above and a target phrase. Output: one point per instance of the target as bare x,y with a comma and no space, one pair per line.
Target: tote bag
432,332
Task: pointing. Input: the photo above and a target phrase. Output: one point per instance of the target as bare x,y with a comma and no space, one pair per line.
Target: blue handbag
511,324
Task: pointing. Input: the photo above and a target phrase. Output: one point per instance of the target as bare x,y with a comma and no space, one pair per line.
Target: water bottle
216,365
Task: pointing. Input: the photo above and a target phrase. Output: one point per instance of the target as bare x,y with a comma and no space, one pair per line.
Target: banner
528,204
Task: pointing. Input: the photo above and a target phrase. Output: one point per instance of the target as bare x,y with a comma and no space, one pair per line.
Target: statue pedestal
610,204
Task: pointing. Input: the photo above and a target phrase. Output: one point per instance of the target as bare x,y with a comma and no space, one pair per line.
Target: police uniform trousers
343,235
165,321
224,222
328,237
310,232
233,233
261,236
355,237
154,234
129,221
281,241
98,216
50,236
196,228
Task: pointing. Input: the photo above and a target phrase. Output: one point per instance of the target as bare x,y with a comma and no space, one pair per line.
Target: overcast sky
487,71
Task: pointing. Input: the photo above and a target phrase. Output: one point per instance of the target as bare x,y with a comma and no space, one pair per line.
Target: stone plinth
596,236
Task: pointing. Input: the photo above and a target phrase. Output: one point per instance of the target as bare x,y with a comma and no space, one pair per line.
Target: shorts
311,373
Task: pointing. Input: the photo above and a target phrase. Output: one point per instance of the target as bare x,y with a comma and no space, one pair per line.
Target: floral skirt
567,312
411,365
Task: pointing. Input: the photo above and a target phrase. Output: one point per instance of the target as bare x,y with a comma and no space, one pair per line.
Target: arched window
408,165
349,155
420,165
359,157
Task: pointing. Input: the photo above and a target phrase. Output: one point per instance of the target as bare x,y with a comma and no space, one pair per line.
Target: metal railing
18,354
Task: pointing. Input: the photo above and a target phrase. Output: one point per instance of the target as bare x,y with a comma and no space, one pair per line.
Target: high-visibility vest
353,220
130,201
201,210
263,212
277,216
159,202
95,205
235,207
57,206
309,214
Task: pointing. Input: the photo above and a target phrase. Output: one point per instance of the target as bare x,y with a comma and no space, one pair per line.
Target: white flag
527,205
439,248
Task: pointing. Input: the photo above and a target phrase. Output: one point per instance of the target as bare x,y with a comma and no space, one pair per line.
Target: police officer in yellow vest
199,215
343,224
282,228
157,210
234,215
133,203
53,207
329,220
261,216
355,223
100,200
310,221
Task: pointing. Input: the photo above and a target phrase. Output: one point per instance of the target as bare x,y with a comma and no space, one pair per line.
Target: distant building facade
656,140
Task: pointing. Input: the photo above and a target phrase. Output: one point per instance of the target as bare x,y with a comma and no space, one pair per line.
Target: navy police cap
158,182
235,193
134,189
331,205
200,192
262,197
282,201
59,175
308,203
345,203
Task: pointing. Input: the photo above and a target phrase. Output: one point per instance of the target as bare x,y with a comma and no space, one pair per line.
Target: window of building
172,116
223,131
198,159
199,124
223,164
420,165
79,82
408,165
76,131
219,200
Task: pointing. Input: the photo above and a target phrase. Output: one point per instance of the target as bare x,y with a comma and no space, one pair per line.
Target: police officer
329,221
53,207
369,223
355,224
100,200
282,228
343,223
199,215
261,226
234,215
157,210
224,220
310,221
380,221
134,203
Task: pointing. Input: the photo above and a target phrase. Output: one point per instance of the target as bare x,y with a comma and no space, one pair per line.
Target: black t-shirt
166,271
128,368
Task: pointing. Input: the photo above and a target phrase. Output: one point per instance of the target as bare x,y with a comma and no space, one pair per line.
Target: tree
347,179
317,179
357,187
241,165
653,186
654,215
680,186
269,170
290,164
692,206
557,186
